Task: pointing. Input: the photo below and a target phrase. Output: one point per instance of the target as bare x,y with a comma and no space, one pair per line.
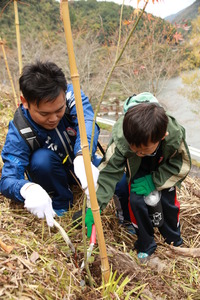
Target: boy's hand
143,186
89,221
38,202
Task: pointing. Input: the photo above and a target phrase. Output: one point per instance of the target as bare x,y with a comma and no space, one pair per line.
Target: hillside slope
185,15
40,17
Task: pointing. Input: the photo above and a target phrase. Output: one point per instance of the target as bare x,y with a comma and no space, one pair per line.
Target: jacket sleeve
15,155
111,171
174,169
88,117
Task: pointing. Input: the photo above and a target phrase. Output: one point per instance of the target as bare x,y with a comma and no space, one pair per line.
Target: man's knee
43,160
121,189
96,160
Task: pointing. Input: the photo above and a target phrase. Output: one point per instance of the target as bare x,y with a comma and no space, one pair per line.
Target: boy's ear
24,102
166,134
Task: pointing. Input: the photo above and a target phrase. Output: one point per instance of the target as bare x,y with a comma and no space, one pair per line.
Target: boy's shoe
178,243
130,228
60,212
143,257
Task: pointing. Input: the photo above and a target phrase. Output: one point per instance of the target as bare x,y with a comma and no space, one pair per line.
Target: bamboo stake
84,143
18,37
9,74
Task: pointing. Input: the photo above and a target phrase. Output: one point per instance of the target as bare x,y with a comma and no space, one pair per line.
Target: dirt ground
41,265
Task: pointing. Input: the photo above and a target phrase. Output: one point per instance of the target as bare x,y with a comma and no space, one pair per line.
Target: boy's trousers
170,229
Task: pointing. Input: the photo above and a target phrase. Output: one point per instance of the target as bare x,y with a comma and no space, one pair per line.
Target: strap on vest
25,130
100,148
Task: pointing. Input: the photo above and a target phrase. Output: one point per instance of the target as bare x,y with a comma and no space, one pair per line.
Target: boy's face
149,150
47,114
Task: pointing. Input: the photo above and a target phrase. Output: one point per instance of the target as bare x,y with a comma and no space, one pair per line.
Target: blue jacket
63,140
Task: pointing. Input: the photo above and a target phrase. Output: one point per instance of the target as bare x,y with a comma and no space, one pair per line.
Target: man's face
47,114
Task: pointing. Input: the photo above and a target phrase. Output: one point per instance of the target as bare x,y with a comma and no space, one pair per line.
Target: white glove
38,202
79,170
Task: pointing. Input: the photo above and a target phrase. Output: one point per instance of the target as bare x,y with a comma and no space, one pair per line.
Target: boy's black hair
144,123
42,81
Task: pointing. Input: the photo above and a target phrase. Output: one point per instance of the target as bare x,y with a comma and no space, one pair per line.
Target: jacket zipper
68,140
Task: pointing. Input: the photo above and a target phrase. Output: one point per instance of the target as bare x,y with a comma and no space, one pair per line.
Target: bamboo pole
18,37
84,143
9,74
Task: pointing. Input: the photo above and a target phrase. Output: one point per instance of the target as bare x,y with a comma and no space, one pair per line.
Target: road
195,153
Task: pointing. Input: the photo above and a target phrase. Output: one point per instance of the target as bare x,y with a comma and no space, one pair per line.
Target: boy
46,97
151,145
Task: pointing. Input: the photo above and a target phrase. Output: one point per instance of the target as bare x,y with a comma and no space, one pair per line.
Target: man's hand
38,202
79,170
89,221
143,186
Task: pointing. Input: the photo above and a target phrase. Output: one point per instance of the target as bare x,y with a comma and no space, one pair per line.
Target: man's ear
166,134
24,102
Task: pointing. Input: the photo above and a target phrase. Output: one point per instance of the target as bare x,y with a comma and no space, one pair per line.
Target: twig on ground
193,252
65,236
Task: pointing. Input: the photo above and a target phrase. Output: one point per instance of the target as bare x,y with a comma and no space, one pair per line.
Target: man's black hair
42,81
144,123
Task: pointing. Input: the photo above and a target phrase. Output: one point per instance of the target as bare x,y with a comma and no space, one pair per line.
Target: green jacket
172,170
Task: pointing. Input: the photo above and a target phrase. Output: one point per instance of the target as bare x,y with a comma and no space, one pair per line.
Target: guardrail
195,153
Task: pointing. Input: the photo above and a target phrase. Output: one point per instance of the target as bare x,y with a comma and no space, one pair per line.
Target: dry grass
42,266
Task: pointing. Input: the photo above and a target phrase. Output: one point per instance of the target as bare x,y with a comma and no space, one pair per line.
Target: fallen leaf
6,248
34,256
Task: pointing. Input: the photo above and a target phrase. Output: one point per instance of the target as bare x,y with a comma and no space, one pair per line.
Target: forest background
157,51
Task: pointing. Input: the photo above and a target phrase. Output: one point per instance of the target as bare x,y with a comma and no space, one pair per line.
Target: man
45,98
151,146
